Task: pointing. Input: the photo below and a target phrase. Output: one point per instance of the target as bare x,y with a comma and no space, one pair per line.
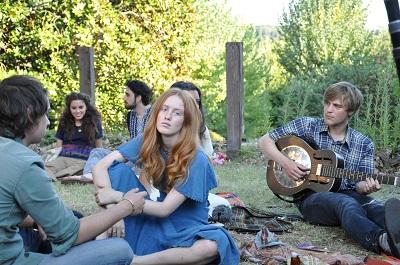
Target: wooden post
234,91
86,72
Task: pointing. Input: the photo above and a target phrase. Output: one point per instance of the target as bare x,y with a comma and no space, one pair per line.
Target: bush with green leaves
314,34
145,40
323,42
160,42
303,96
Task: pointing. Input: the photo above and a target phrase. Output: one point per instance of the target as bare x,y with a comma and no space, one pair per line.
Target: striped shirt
137,124
356,149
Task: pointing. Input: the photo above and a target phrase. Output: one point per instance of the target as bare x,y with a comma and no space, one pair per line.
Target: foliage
257,77
142,39
213,28
314,34
323,42
378,119
152,39
156,41
319,43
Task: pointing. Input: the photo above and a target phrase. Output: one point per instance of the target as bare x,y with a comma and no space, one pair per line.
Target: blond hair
350,95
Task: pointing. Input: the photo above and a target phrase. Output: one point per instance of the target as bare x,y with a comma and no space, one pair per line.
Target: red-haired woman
173,228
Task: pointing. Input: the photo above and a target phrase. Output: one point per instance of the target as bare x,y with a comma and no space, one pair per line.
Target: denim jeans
112,251
361,217
33,241
95,156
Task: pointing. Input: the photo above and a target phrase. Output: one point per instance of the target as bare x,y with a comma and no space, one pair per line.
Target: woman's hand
368,186
106,196
103,235
117,230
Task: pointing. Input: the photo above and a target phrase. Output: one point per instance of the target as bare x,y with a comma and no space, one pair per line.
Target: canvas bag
245,219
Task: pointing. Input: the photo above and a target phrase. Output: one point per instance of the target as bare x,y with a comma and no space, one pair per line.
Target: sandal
82,179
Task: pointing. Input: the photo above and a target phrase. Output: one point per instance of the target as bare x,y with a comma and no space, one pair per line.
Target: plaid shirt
357,150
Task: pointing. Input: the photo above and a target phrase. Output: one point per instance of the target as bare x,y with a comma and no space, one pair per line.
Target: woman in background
205,138
79,131
204,133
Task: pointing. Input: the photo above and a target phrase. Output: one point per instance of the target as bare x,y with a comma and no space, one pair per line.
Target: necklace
164,153
79,129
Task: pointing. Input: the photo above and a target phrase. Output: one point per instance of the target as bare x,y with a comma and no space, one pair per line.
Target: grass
245,176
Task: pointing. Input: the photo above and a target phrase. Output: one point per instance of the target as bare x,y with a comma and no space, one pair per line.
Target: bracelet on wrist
131,202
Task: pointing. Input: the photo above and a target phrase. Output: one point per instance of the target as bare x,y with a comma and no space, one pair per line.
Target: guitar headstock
396,179
387,178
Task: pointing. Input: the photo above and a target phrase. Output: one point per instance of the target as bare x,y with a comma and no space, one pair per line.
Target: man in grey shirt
27,195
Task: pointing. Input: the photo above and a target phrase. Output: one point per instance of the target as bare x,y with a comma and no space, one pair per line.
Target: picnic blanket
281,255
231,197
382,260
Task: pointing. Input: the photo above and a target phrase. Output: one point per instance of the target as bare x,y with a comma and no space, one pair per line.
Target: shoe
392,222
84,179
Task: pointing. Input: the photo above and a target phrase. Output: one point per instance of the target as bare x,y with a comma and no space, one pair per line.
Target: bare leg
201,252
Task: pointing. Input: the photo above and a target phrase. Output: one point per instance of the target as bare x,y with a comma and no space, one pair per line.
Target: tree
317,33
214,26
146,40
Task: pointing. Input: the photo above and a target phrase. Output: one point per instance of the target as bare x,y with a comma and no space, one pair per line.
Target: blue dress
188,223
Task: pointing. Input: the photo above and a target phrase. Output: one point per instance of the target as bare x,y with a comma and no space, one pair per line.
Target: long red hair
183,151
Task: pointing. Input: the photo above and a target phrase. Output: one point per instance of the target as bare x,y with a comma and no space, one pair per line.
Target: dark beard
132,107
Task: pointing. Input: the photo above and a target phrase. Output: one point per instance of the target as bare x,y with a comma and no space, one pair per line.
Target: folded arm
93,225
101,179
172,201
163,209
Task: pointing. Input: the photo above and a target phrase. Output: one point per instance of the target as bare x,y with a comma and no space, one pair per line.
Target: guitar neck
341,173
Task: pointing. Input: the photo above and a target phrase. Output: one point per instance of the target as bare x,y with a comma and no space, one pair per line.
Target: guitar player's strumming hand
368,186
294,170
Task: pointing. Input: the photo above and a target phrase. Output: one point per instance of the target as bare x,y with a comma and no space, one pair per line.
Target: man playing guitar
373,225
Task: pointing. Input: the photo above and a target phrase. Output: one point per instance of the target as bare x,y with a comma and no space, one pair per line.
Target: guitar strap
294,200
297,198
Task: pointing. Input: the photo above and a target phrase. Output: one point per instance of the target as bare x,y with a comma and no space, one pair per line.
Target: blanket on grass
279,255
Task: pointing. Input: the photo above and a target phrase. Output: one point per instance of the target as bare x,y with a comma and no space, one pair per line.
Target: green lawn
246,177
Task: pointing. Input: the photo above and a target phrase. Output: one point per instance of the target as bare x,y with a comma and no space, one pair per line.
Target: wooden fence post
86,72
234,91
